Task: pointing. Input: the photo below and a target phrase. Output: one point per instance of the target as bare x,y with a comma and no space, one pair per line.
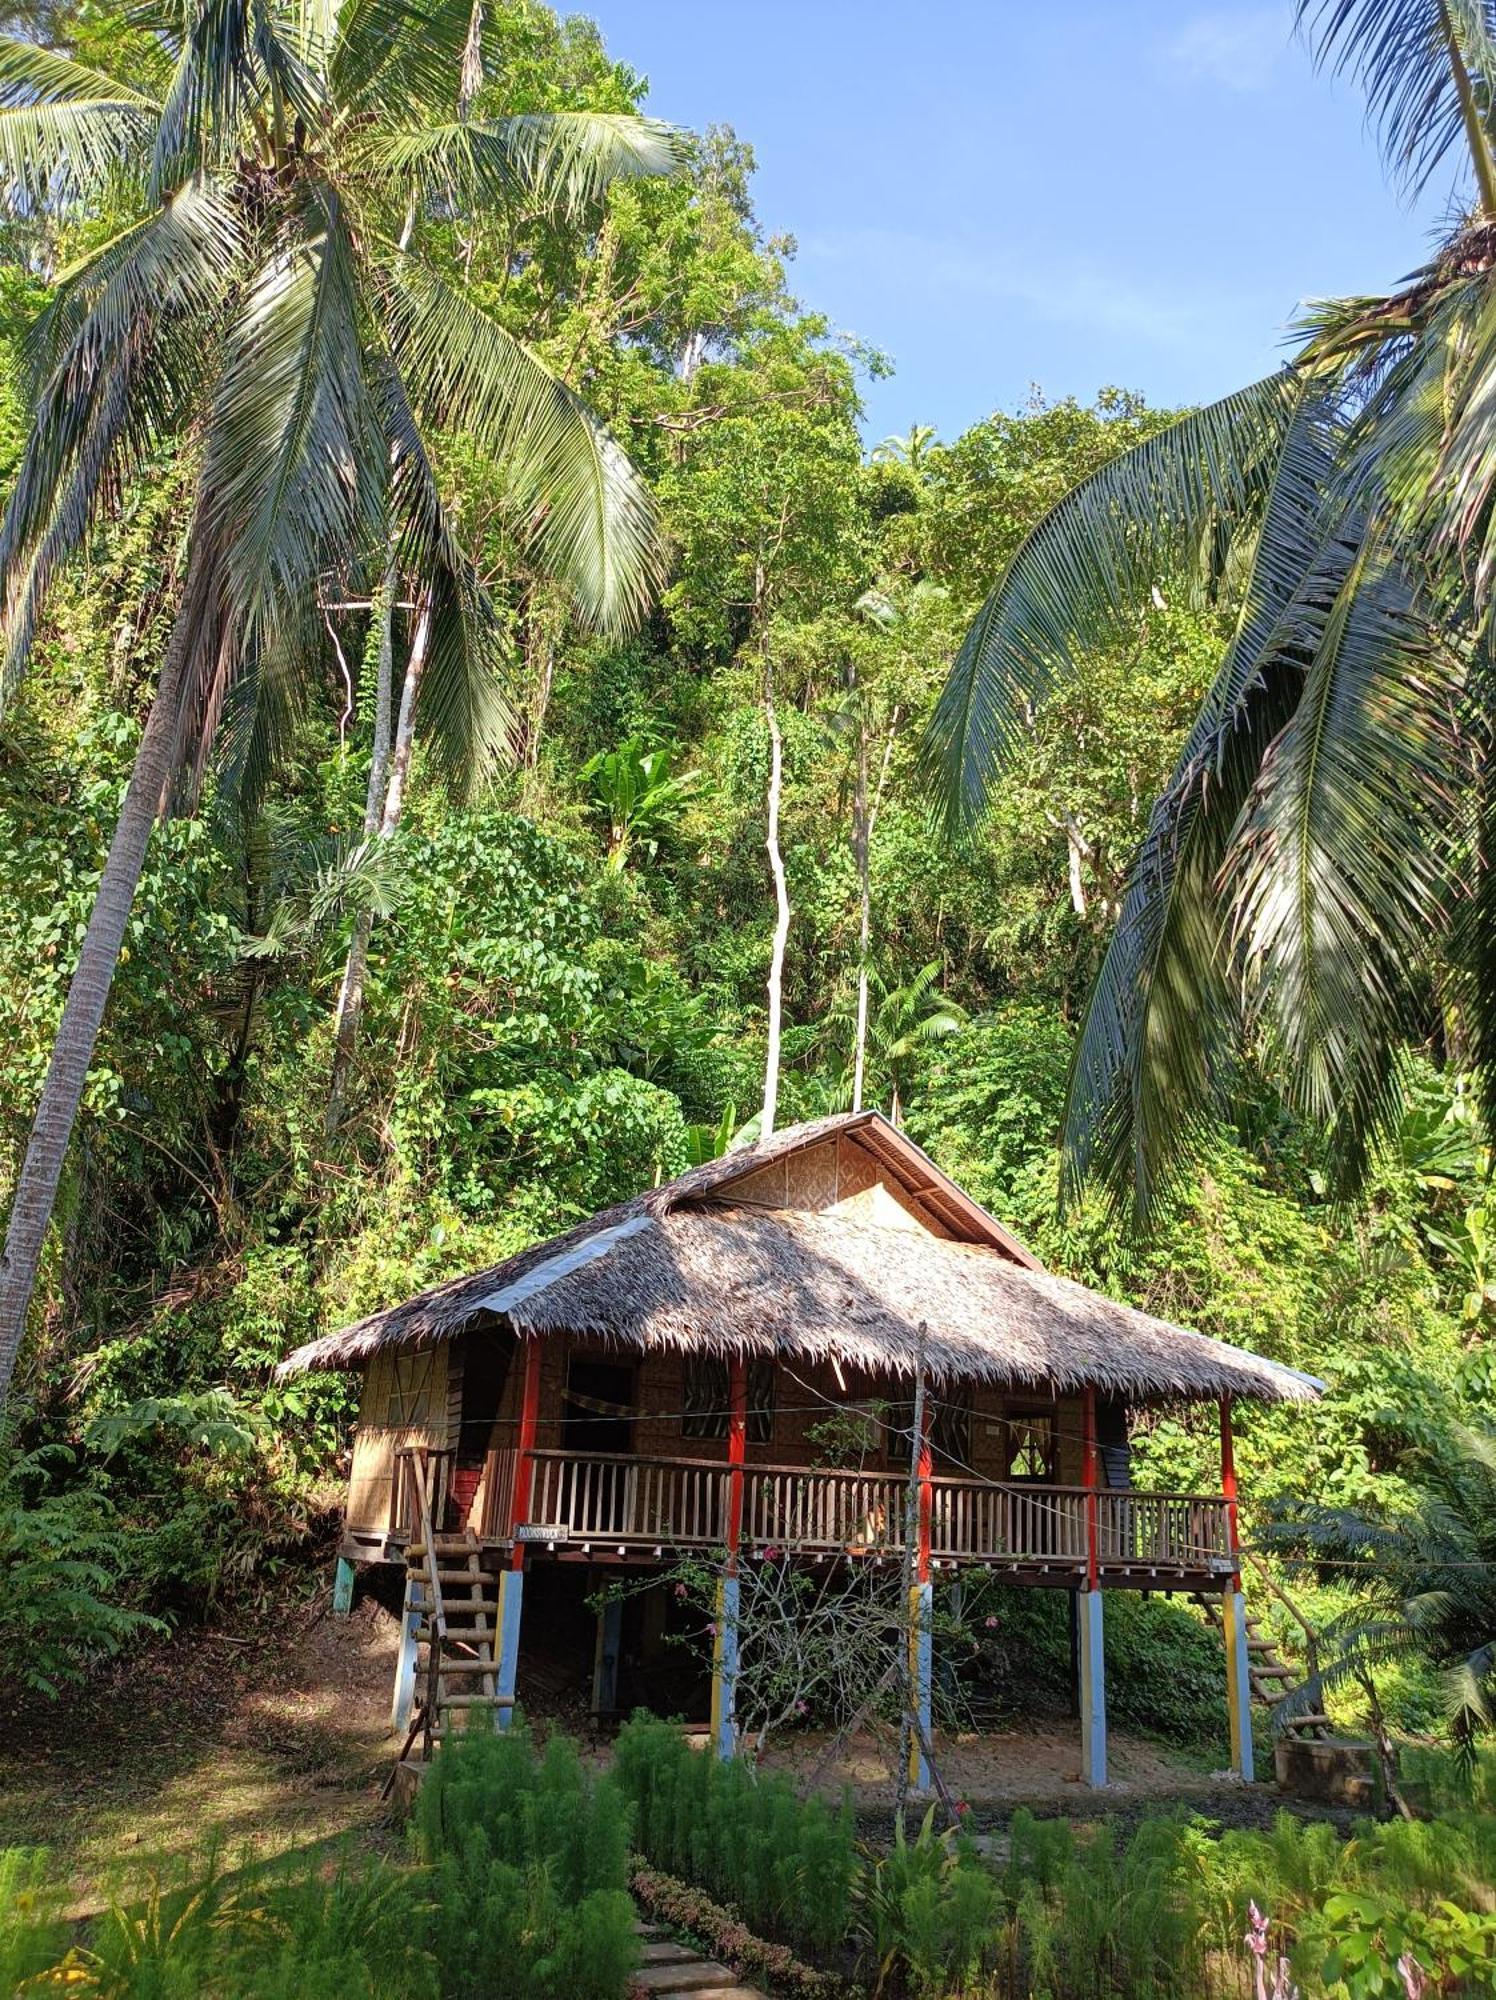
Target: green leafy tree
264,299
1326,827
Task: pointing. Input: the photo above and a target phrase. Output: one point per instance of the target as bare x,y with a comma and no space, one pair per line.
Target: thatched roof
688,1266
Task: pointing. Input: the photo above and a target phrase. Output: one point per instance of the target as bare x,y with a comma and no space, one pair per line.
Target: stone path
672,1968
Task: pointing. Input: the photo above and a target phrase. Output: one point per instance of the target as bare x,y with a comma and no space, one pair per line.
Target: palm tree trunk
782,921
384,804
83,1010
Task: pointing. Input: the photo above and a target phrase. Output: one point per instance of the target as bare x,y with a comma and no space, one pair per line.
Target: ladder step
1276,1672
477,1701
469,1667
460,1576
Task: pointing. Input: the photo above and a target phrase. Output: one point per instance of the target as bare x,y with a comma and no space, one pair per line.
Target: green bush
529,1871
926,1913
785,1863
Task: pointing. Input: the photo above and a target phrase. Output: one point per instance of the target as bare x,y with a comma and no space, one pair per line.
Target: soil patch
268,1736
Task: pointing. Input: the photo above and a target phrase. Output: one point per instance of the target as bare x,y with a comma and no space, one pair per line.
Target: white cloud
1237,46
1066,291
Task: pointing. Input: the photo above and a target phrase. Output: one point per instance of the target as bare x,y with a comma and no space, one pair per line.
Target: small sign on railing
543,1531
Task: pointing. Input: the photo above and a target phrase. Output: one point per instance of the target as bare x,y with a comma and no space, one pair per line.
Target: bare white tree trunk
385,801
782,921
861,832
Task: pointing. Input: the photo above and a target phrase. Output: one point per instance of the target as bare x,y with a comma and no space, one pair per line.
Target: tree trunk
860,841
83,1011
907,1575
384,804
782,921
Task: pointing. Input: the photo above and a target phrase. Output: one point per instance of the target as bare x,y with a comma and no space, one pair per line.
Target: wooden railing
679,1501
421,1471
1162,1530
675,1503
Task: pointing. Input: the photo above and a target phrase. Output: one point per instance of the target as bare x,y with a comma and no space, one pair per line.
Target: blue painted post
511,1604
512,1580
1092,1690
405,1658
342,1587
725,1670
609,1646
725,1631
1234,1616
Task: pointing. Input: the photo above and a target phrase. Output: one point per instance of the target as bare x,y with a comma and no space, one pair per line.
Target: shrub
786,1863
529,1871
926,1913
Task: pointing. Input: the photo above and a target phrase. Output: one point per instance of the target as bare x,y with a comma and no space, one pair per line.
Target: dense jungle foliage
566,995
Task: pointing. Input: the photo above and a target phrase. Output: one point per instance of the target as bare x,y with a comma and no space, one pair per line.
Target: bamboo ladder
458,1676
1270,1676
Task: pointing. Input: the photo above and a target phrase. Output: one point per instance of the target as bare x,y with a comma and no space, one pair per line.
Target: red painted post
1093,1553
926,1498
1228,1490
529,1419
737,1443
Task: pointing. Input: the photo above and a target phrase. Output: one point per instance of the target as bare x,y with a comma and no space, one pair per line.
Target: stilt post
921,1609
412,1612
1234,1617
342,1587
605,1660
725,1632
1089,1614
512,1580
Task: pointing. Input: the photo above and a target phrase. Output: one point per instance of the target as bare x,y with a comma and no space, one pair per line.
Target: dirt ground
275,1735
272,1736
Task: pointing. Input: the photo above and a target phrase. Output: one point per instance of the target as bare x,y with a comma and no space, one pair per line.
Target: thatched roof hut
726,1258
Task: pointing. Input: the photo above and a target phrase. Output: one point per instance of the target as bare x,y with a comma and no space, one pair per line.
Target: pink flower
680,1590
1415,1983
990,1623
771,1554
962,1807
1256,1938
711,1631
802,1708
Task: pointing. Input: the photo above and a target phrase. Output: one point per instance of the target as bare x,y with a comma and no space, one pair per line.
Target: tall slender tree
266,308
1328,829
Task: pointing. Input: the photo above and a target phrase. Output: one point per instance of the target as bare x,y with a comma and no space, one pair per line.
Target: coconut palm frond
1428,68
560,161
466,708
294,468
1078,577
1162,1018
1335,876
582,507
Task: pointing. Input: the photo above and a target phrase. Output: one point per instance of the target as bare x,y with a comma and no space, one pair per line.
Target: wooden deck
594,1507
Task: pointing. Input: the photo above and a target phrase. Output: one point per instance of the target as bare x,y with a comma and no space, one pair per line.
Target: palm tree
1326,836
891,1026
268,309
1426,1581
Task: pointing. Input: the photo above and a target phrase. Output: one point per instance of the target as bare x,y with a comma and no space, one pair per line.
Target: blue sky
1012,193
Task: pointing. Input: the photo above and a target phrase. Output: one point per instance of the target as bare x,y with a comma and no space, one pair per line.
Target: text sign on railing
543,1531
